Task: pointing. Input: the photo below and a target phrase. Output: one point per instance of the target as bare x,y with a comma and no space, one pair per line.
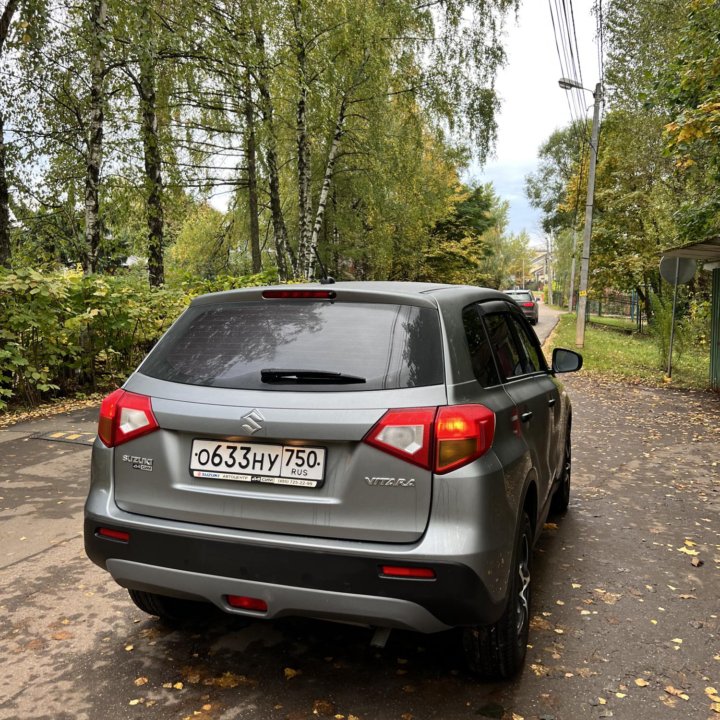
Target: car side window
532,359
481,355
504,346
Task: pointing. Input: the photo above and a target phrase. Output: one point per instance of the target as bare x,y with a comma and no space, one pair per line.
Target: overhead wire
562,15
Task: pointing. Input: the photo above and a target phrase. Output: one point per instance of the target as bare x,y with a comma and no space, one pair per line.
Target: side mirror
564,361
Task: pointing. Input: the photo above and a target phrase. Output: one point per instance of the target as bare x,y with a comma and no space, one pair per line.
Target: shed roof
708,250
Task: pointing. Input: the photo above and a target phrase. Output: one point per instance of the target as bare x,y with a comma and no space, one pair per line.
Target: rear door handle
551,402
526,416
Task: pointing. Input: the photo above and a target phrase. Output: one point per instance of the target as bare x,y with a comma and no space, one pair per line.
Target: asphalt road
624,624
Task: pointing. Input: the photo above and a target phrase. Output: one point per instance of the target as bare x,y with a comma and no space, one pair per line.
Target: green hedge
62,333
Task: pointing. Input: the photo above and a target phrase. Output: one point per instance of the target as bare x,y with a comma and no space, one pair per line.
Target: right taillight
125,416
463,433
439,439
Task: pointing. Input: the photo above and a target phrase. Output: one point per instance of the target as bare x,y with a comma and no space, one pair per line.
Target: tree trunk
303,148
308,260
251,152
95,136
5,252
282,248
153,161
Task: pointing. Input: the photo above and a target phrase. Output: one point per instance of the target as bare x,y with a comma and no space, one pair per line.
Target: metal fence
618,305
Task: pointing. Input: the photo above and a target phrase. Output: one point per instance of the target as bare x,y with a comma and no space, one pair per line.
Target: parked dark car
376,453
527,302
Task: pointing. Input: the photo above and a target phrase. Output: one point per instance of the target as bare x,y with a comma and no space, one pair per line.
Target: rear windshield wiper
307,377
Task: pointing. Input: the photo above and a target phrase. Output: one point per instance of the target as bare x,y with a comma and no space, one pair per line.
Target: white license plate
255,462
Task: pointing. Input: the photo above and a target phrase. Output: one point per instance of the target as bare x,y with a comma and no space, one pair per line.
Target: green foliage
471,246
631,357
64,332
692,325
405,89
547,188
691,86
661,330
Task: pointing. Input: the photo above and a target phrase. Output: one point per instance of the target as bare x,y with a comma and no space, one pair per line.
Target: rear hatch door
263,405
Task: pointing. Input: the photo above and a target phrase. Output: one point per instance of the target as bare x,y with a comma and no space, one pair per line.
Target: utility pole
587,232
572,271
567,84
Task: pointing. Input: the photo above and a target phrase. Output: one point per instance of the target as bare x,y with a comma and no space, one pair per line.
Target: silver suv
382,453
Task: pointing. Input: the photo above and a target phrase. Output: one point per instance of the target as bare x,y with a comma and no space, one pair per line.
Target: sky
533,105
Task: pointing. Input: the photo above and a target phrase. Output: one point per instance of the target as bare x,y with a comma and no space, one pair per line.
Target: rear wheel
498,651
170,610
561,496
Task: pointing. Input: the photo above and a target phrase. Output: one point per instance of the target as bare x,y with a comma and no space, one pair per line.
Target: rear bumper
292,581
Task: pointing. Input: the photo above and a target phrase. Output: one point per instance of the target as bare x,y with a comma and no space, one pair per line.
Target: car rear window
515,295
372,346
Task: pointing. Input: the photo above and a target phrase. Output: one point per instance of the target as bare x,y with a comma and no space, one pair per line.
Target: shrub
64,332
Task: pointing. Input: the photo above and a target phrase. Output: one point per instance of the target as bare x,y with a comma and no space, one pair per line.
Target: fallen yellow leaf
670,690
620,695
290,673
688,551
141,681
677,640
641,682
715,707
602,701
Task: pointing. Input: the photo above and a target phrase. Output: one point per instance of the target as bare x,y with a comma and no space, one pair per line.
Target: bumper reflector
247,603
111,534
410,573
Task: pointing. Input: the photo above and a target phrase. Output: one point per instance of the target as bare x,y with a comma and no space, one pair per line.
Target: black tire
561,496
171,611
497,651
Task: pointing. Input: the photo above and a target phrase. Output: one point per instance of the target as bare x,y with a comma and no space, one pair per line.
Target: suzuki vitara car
377,453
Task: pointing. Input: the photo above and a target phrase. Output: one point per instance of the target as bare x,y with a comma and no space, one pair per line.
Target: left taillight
405,433
125,416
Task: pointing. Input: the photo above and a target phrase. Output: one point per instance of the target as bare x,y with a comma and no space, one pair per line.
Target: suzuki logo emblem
253,422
